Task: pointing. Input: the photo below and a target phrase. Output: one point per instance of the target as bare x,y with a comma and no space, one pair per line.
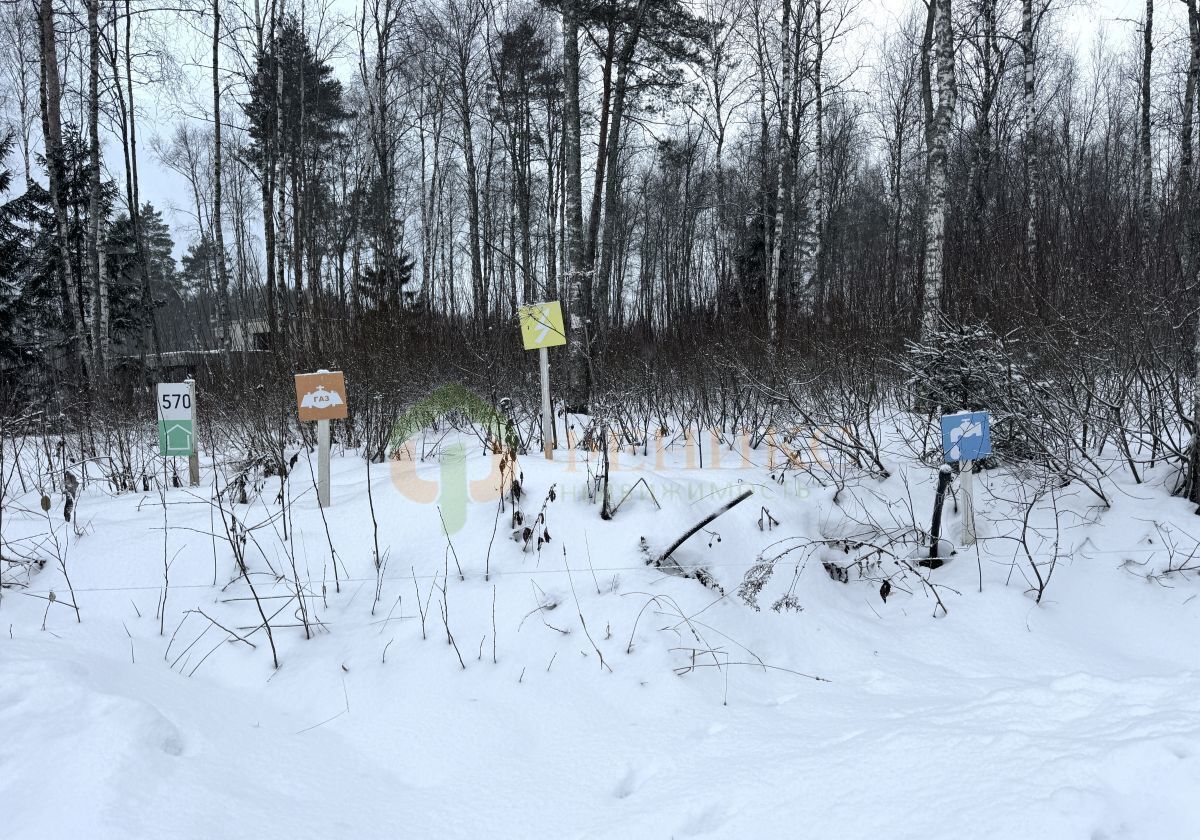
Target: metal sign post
547,415
967,482
966,438
321,397
541,328
323,463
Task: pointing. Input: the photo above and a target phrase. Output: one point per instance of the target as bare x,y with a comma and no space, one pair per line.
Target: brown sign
321,396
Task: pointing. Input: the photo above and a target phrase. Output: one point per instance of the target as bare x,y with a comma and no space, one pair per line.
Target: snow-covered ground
1078,717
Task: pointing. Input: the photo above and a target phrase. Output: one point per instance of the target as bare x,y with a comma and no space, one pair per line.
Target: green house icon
175,437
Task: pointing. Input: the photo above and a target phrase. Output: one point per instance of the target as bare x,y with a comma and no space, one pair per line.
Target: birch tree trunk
426,219
478,285
553,204
808,276
935,211
99,283
104,318
775,278
218,235
579,384
267,183
717,71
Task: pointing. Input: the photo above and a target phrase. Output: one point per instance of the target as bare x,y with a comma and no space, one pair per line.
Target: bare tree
579,306
1190,209
1029,91
938,198
223,317
808,277
19,66
95,255
51,102
1146,187
782,147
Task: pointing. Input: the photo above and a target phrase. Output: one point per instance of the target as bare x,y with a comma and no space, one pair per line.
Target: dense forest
776,179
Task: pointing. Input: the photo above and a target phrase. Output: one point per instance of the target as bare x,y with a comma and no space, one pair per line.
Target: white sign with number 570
174,401
176,419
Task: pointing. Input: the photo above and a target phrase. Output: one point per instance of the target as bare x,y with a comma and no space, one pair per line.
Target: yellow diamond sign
542,325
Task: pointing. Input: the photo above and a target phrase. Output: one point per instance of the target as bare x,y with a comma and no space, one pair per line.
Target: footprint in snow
705,821
630,782
1180,751
172,744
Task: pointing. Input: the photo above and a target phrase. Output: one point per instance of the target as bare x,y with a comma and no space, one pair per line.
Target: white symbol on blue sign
966,436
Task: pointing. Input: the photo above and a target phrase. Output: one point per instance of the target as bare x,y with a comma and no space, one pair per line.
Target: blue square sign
966,436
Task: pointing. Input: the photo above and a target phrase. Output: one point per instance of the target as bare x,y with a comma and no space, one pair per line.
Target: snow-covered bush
969,367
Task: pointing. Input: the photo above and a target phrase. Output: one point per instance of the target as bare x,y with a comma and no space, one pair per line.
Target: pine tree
295,113
199,267
31,326
129,313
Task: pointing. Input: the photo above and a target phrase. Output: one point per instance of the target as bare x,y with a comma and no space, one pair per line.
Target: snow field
1078,717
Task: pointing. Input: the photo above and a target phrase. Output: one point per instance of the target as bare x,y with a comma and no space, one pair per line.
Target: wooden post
945,474
967,482
547,412
323,463
194,458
